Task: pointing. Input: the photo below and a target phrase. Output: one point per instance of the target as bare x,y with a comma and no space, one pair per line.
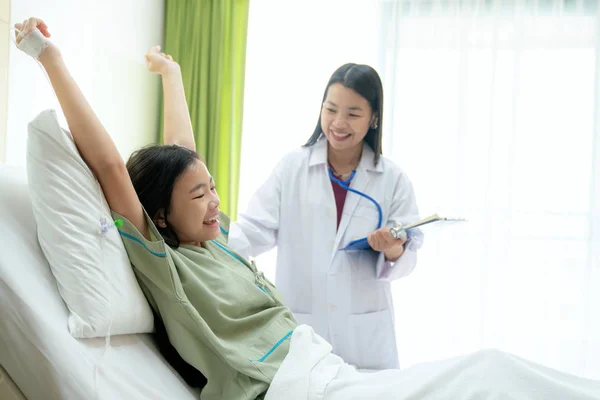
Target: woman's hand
159,63
382,240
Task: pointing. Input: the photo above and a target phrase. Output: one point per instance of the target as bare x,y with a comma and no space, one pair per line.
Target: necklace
342,176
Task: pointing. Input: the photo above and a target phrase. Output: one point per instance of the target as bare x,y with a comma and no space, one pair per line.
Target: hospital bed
39,359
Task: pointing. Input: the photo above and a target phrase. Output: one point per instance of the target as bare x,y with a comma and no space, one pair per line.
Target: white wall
4,43
103,44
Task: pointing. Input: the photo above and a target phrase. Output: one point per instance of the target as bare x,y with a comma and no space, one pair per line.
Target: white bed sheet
37,351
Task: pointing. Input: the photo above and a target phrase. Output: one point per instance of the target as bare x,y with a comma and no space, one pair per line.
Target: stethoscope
360,243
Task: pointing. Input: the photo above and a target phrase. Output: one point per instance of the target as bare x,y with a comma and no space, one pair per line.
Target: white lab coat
345,296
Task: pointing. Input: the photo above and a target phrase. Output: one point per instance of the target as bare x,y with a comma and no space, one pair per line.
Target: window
491,109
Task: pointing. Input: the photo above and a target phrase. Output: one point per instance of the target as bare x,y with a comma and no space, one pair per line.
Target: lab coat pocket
364,220
368,211
372,340
362,264
369,216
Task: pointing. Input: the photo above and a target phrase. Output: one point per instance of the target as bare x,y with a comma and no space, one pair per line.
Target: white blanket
311,372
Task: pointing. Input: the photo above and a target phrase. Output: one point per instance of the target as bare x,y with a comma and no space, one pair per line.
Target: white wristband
33,44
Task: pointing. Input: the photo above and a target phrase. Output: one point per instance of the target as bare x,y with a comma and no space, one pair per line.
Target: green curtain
208,40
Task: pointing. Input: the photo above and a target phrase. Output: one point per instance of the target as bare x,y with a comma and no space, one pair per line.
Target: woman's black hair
365,81
153,171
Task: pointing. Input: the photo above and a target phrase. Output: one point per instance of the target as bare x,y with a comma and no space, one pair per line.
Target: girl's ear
159,219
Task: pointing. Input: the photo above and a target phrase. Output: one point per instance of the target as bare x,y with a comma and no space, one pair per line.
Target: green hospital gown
221,314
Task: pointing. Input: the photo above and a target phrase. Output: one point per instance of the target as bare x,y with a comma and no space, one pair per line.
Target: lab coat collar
318,156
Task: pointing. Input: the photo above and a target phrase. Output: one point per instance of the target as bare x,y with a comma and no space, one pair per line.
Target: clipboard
358,244
434,219
412,228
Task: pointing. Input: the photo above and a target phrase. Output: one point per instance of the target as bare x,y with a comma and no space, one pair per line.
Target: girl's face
345,118
194,209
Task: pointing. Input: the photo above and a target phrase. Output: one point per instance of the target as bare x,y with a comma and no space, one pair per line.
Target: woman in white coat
301,208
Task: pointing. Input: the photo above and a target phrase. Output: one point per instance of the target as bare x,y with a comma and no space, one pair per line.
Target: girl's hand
159,63
28,26
35,45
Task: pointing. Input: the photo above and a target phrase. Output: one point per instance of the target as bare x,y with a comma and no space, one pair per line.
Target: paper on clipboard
411,229
434,219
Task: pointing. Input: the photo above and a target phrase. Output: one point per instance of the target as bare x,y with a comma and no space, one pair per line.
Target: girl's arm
93,142
177,123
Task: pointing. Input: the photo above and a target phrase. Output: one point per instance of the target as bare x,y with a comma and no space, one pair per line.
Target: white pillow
79,239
